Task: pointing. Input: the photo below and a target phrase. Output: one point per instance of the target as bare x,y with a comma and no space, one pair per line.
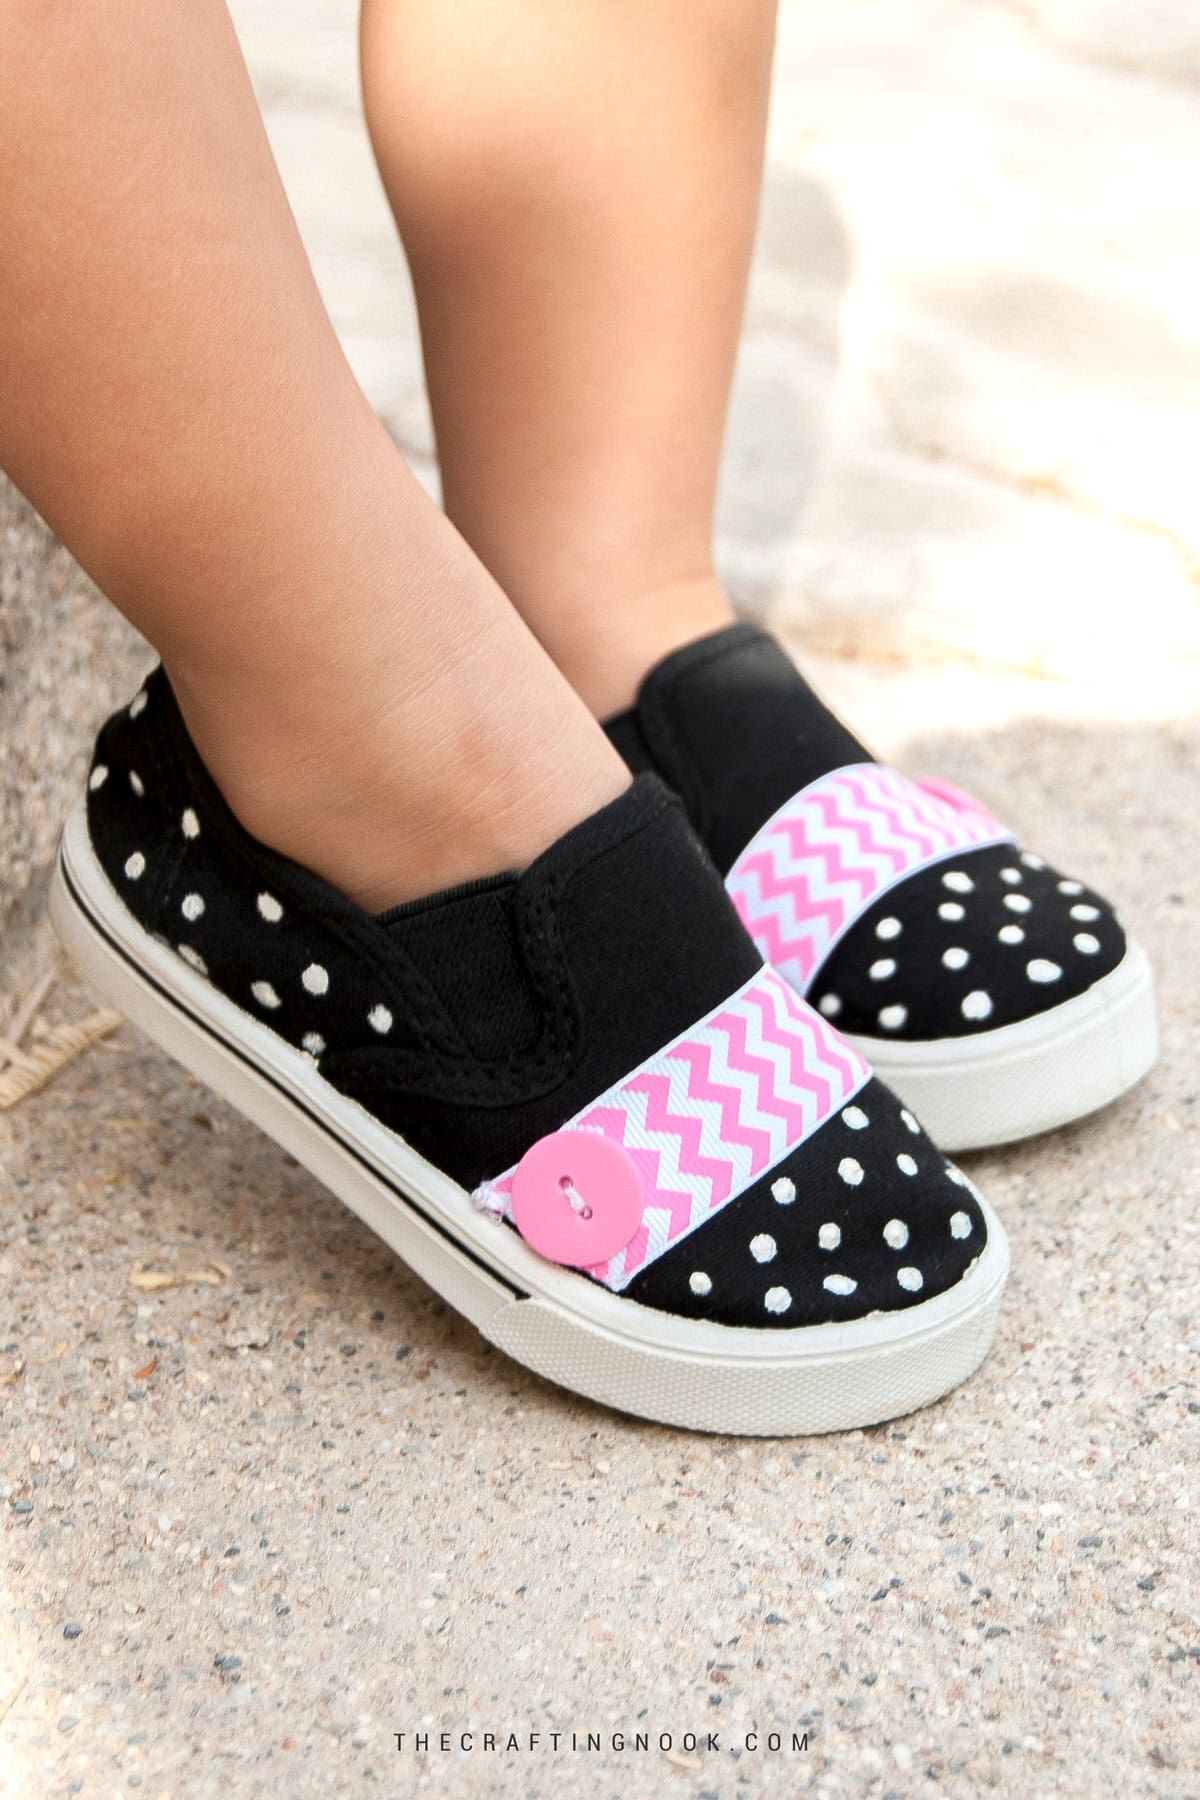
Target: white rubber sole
696,1375
1033,1076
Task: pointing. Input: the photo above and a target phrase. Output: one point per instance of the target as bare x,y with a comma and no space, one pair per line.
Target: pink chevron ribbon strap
835,847
712,1111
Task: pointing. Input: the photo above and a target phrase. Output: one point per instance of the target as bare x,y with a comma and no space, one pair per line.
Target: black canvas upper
513,1001
731,724
477,1021
733,727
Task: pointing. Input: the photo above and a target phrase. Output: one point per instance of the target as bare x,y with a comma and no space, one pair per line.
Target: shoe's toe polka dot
137,784
269,908
839,1284
895,1233
313,1042
763,1247
907,1120
777,1299
829,1236
906,1164
137,705
1011,934
98,777
855,1118
1070,887
192,906
960,1225
977,1005
193,959
830,1005
951,911
265,994
1011,876
1031,861
956,1175
888,928
1018,903
958,881
1086,944
850,1171
882,970
1042,969
135,866
911,1279
380,1020
190,823
784,1190
955,957
700,1283
1085,914
315,979
892,1017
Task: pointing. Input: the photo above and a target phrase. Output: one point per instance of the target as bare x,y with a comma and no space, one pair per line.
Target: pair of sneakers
622,1109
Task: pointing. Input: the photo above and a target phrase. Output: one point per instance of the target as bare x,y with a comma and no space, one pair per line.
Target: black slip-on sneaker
999,996
574,1099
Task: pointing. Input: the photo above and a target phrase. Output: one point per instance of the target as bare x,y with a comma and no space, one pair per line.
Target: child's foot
573,1099
998,996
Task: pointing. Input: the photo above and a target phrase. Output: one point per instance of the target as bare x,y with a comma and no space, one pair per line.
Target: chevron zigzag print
834,848
713,1111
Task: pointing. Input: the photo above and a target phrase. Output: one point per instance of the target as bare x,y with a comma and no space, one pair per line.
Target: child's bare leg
174,401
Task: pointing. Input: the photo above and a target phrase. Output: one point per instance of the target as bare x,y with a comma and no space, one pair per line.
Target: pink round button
577,1198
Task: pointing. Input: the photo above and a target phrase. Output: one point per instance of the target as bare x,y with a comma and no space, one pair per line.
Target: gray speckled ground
255,1523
